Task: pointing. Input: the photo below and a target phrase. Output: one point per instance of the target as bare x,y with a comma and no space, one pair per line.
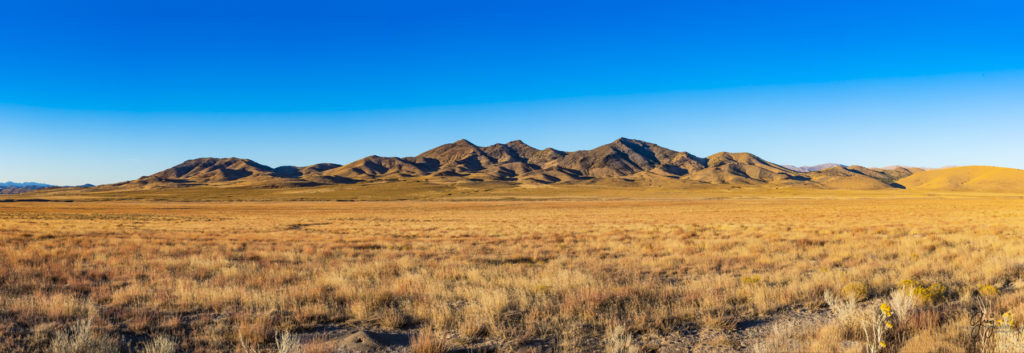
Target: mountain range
10,187
813,168
625,160
18,188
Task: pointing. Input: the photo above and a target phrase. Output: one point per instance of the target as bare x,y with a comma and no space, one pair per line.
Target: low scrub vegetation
862,275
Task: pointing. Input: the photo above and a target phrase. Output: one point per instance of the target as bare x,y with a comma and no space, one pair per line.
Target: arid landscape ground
610,270
511,176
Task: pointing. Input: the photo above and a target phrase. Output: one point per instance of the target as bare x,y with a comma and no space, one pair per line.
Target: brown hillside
859,178
973,178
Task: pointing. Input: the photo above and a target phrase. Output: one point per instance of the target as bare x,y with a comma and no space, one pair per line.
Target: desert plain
609,270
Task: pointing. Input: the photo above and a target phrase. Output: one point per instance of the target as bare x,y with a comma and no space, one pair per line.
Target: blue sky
99,92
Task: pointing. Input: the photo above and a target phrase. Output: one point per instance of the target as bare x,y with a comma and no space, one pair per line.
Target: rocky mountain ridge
624,159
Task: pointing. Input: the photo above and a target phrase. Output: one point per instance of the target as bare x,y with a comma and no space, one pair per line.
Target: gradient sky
105,91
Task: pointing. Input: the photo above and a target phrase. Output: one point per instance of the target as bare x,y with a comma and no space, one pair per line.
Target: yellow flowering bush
988,290
875,325
856,291
1006,321
1005,337
932,294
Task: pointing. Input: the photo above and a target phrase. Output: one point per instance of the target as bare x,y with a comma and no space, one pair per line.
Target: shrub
160,344
932,294
875,324
286,343
80,338
841,308
618,340
428,341
988,291
903,302
856,291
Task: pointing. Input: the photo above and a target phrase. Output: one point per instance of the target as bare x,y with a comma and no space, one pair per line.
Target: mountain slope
210,170
972,178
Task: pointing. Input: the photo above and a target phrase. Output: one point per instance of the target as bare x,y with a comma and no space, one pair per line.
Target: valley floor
762,274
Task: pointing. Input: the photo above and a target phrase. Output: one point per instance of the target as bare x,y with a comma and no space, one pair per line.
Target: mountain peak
629,141
463,142
212,169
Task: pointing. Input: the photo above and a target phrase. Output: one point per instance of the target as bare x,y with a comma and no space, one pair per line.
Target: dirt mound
360,342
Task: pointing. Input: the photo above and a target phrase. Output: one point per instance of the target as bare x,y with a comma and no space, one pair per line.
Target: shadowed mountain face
462,161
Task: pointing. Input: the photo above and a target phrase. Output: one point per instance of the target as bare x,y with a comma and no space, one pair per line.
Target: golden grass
972,178
626,275
425,190
427,341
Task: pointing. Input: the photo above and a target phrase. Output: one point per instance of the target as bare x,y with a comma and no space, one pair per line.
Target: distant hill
9,188
18,188
28,184
973,178
622,160
814,168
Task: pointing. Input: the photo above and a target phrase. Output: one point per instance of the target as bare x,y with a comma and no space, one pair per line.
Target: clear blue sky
104,91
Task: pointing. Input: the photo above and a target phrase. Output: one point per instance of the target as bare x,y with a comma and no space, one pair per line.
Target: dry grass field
844,274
